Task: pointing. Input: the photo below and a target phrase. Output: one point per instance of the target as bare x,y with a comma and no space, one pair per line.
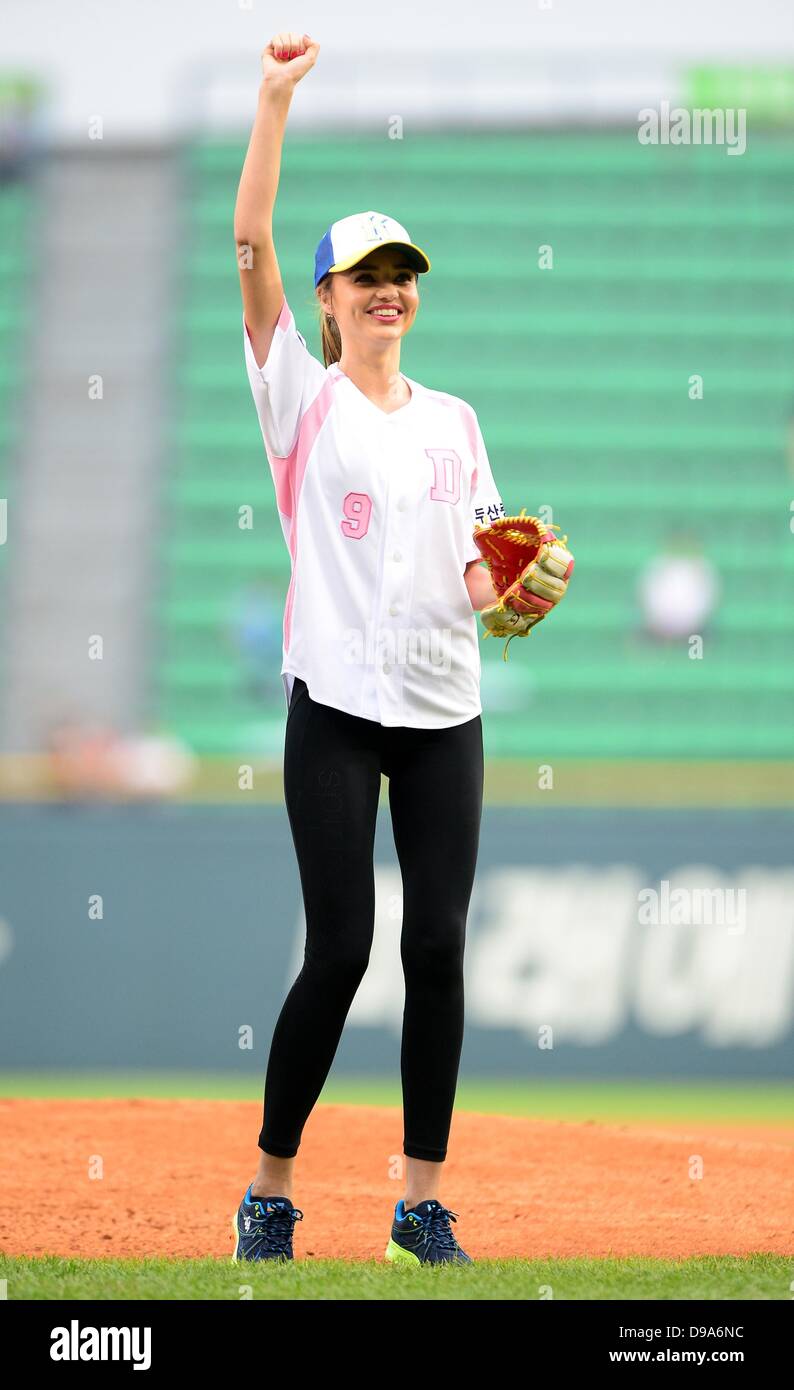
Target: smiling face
384,280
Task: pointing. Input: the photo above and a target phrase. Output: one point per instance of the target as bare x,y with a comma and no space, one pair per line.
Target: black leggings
332,772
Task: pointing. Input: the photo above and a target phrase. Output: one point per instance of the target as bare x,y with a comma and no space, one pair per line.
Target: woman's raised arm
260,277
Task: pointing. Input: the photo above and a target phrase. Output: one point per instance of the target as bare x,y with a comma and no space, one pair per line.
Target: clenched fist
288,57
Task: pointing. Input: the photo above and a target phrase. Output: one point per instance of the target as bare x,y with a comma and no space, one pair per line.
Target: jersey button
401,505
386,668
394,610
397,555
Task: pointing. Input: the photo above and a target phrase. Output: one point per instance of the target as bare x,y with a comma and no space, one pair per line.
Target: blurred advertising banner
610,942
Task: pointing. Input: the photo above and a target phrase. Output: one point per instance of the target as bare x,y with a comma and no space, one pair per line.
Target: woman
379,483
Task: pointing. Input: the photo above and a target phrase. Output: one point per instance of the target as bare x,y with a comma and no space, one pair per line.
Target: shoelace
277,1227
438,1230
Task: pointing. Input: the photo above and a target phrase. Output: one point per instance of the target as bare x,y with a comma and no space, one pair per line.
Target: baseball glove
529,567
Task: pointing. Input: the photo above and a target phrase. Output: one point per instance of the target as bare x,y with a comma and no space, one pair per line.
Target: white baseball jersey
377,509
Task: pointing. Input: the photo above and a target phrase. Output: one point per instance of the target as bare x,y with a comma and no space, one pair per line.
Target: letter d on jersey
447,465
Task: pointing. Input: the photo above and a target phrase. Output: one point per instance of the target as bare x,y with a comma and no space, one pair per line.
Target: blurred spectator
678,591
256,627
82,761
92,762
154,765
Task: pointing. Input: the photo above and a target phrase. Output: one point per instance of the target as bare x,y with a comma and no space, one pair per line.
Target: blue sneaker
424,1236
263,1228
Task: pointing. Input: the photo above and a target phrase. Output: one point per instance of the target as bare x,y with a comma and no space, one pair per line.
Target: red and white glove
530,568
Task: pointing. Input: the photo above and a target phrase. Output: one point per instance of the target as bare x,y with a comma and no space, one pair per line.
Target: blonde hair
330,337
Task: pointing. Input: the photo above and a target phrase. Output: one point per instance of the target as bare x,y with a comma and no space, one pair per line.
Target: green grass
709,1277
740,1102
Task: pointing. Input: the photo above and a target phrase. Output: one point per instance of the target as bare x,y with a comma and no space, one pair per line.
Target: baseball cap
348,241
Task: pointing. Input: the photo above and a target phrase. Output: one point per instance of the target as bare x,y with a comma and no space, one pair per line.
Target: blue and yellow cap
348,241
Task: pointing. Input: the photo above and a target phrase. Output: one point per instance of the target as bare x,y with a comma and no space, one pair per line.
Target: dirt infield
173,1171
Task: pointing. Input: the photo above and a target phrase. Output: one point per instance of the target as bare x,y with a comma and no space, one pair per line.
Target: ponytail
330,337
